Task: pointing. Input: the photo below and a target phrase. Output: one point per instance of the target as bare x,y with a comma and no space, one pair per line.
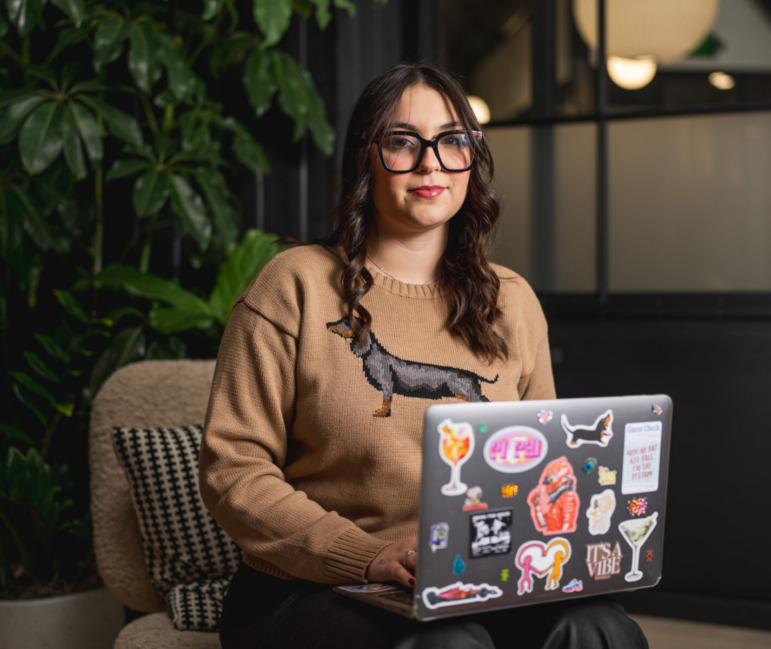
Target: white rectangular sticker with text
642,453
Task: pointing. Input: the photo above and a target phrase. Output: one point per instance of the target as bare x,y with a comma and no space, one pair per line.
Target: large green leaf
143,60
249,152
87,129
13,117
126,167
41,138
259,80
108,40
187,204
75,9
151,287
73,151
273,18
322,132
25,381
323,15
5,26
215,191
66,37
292,98
242,265
120,124
181,77
169,321
151,191
24,14
211,8
349,6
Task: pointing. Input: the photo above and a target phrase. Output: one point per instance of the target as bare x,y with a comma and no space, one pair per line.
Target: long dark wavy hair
468,282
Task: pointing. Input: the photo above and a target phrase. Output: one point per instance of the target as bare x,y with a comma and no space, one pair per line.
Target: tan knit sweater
312,446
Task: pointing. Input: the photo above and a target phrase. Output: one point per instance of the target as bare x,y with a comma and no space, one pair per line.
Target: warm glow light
631,74
480,108
721,80
665,30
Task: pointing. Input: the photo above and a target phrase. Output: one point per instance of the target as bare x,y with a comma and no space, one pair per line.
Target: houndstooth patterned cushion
190,558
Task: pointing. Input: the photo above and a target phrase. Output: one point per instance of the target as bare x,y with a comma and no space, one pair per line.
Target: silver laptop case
536,501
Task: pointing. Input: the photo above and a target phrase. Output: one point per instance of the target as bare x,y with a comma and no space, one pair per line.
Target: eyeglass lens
402,152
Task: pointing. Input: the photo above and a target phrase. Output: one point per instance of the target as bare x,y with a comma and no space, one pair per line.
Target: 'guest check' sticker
642,455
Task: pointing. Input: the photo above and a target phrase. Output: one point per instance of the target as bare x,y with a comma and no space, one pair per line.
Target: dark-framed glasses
401,151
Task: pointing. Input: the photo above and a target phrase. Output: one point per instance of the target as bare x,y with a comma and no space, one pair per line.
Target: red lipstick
428,191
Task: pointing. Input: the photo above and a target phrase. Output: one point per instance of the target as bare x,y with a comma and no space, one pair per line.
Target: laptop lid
536,501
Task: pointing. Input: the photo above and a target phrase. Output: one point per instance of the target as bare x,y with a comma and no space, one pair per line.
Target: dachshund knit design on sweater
393,375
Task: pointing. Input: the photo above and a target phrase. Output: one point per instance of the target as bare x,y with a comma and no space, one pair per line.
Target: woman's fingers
395,562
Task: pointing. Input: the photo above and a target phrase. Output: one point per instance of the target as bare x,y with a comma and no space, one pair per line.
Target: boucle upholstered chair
145,394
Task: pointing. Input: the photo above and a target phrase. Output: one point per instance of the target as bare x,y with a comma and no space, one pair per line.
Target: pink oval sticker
515,449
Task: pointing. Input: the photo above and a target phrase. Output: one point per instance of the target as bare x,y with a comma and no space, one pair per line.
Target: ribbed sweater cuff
350,555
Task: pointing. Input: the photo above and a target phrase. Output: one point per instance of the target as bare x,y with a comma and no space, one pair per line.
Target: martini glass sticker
636,532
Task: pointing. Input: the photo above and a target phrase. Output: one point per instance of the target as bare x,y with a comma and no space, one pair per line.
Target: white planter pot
87,620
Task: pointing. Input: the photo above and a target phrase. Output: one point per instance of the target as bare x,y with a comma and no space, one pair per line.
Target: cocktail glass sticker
544,560
456,444
642,456
554,502
636,532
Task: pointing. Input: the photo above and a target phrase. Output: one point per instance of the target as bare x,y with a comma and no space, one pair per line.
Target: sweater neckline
418,291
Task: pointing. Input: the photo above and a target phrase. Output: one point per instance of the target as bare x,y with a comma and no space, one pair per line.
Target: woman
312,445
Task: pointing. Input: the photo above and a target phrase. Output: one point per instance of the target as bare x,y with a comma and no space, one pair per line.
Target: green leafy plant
114,112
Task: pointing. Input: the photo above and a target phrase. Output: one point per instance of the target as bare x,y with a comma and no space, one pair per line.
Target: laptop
535,501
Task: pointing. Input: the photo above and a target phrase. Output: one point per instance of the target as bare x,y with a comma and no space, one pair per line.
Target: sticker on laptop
636,532
456,444
599,433
637,506
459,593
601,508
603,560
642,457
439,536
490,533
474,499
554,502
515,449
605,476
542,560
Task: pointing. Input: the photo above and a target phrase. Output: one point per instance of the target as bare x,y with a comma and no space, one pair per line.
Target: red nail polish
412,582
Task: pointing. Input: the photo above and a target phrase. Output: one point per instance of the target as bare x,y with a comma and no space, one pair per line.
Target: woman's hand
396,562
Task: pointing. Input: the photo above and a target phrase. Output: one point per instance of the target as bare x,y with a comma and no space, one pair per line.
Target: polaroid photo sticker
490,533
543,560
642,457
459,593
515,449
599,433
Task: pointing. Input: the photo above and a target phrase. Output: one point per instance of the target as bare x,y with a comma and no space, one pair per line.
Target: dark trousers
262,612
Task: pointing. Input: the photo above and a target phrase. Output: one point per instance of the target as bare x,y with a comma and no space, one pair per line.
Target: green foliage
111,110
